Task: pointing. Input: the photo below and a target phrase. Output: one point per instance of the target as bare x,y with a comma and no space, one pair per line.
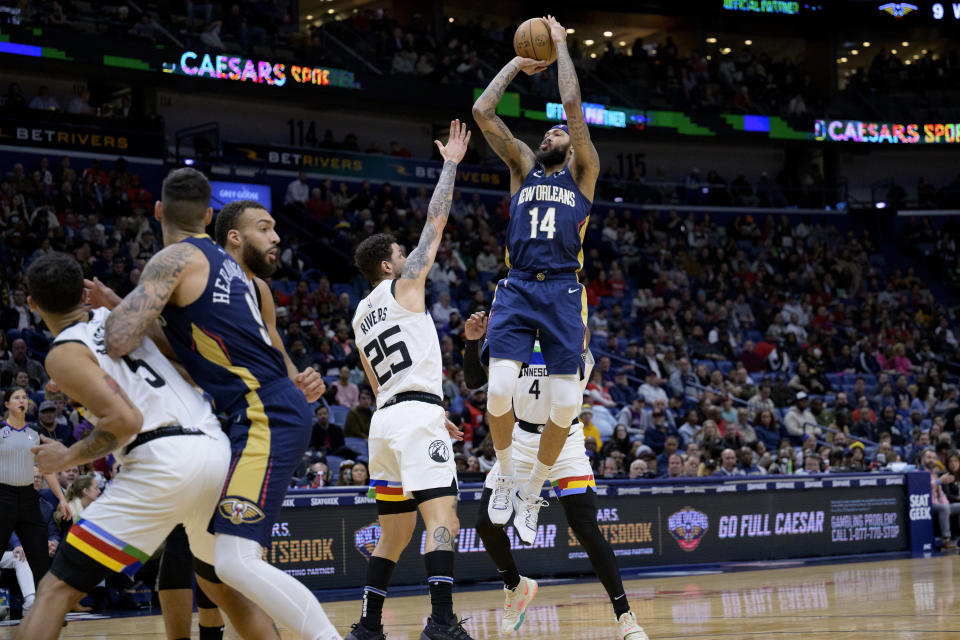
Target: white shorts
162,483
409,451
570,474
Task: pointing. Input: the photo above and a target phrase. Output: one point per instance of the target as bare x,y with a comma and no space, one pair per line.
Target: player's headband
562,127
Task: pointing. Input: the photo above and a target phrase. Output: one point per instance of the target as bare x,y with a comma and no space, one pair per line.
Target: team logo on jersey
365,539
439,451
688,526
5,432
239,511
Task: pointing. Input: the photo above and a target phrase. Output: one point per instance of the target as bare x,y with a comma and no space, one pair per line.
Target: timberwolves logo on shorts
688,526
439,451
239,511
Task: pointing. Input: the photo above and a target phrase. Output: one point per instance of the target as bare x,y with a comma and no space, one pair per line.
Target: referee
19,501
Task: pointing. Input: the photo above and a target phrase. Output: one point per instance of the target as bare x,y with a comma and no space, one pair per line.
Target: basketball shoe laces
530,509
501,493
457,631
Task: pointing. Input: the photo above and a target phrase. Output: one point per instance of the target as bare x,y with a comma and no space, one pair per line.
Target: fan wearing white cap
799,420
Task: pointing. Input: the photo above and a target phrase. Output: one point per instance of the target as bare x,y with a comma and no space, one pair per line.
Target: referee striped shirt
16,460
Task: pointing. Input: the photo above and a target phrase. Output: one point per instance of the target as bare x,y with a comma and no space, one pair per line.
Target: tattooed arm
133,318
516,154
586,162
409,288
76,371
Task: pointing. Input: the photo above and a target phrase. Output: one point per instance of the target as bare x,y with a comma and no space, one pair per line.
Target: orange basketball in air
532,40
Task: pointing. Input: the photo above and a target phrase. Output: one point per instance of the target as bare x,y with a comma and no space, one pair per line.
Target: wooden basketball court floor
898,599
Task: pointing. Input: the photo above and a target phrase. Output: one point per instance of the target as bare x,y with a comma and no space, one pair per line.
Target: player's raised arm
75,370
130,321
586,162
409,289
516,154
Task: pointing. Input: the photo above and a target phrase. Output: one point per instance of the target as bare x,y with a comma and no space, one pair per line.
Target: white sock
537,477
240,564
505,458
25,580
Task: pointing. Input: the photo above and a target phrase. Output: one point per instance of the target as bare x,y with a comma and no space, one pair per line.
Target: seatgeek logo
919,507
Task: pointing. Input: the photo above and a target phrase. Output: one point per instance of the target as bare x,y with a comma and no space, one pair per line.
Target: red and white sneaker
515,604
629,629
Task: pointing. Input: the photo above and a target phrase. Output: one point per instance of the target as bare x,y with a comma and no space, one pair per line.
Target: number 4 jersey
401,346
548,218
147,377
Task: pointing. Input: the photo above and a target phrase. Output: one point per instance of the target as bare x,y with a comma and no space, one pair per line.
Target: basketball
532,40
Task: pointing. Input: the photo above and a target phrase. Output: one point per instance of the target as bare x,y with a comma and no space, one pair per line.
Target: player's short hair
185,196
371,252
55,281
229,218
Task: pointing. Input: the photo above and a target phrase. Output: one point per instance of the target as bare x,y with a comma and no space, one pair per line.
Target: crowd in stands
710,78
755,344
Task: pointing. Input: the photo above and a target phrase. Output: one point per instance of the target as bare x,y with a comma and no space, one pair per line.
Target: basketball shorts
410,454
165,482
267,441
570,474
554,309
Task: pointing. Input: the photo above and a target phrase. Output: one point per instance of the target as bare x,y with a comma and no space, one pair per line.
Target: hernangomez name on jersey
401,346
531,396
147,377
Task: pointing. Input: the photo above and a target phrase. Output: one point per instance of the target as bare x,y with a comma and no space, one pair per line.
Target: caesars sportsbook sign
326,539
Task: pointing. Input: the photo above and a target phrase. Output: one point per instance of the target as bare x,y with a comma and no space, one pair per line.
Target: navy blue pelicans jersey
220,338
548,217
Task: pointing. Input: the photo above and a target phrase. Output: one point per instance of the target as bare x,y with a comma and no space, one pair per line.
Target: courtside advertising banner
325,540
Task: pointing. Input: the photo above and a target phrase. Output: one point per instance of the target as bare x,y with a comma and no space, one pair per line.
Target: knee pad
503,376
175,570
565,398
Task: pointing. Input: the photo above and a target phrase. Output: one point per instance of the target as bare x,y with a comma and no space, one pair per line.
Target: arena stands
784,335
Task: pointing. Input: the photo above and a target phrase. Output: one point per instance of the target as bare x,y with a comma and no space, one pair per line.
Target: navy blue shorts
555,310
267,440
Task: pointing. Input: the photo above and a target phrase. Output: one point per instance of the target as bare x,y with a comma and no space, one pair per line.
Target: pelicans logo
239,511
898,9
688,526
365,539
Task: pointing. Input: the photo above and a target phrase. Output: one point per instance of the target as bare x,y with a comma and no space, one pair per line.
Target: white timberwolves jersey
531,396
147,377
401,346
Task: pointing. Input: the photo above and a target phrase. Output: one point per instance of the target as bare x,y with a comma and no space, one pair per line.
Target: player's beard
259,262
552,156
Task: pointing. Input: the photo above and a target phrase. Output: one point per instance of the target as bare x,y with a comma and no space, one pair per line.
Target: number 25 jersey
220,337
400,345
548,218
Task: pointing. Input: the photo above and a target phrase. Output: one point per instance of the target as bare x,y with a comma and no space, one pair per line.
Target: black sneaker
451,631
360,632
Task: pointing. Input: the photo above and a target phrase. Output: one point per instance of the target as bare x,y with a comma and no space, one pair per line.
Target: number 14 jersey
401,346
548,218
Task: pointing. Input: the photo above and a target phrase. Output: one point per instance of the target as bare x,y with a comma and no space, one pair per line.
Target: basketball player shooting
551,194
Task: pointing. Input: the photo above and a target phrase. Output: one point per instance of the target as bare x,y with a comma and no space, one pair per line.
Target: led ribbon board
763,6
240,69
887,132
